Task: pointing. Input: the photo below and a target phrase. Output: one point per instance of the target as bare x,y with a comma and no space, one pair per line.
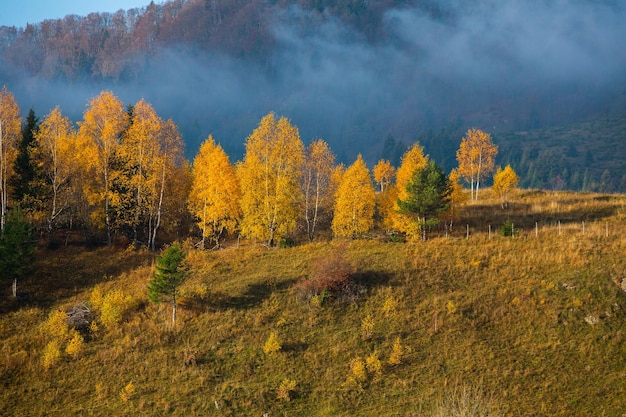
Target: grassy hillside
524,326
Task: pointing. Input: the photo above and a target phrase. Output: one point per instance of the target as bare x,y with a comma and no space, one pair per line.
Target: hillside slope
525,326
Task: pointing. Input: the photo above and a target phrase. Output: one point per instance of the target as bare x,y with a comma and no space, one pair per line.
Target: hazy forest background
546,80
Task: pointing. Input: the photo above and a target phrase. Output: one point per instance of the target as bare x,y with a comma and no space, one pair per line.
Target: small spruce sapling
169,275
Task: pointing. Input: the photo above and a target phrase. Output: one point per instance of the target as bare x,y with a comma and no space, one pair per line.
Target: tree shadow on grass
253,296
64,272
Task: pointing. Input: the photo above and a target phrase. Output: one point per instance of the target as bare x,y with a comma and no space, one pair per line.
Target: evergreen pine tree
17,248
24,180
428,195
170,274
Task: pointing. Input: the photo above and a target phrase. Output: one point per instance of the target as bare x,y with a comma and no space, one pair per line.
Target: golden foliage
504,182
215,192
374,366
54,150
390,305
51,354
128,392
397,351
317,184
269,177
75,346
56,325
286,389
98,141
355,202
140,154
384,173
451,307
412,160
476,157
272,344
367,327
358,368
457,197
10,134
112,305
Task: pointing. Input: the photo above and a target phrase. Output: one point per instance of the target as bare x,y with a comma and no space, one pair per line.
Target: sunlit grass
499,322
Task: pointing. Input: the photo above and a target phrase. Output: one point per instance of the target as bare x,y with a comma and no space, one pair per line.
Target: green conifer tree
428,195
169,275
24,180
17,248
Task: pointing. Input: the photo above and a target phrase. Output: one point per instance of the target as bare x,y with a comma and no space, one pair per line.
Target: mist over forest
361,75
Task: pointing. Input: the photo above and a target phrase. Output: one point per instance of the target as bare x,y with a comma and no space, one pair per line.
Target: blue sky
18,13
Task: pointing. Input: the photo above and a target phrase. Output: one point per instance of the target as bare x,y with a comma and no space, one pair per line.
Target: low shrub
331,276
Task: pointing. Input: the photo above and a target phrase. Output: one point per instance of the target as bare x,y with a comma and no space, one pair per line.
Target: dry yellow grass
531,325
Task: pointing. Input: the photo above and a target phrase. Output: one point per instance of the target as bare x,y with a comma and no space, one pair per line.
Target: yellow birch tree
476,157
99,134
55,155
215,192
412,160
384,173
139,154
172,183
504,182
269,177
10,133
355,202
317,185
457,197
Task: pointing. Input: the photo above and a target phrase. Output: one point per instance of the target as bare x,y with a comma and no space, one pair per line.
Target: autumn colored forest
299,58
441,272
121,175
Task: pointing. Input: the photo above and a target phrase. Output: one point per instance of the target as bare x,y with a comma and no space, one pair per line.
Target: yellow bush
367,327
93,328
451,307
358,369
101,390
75,346
272,344
51,354
127,393
373,364
390,304
113,307
286,388
396,352
96,297
56,325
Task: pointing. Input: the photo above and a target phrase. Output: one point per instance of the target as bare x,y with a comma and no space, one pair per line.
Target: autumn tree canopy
10,124
355,202
215,192
384,173
270,180
99,135
55,151
413,160
317,186
504,182
476,157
